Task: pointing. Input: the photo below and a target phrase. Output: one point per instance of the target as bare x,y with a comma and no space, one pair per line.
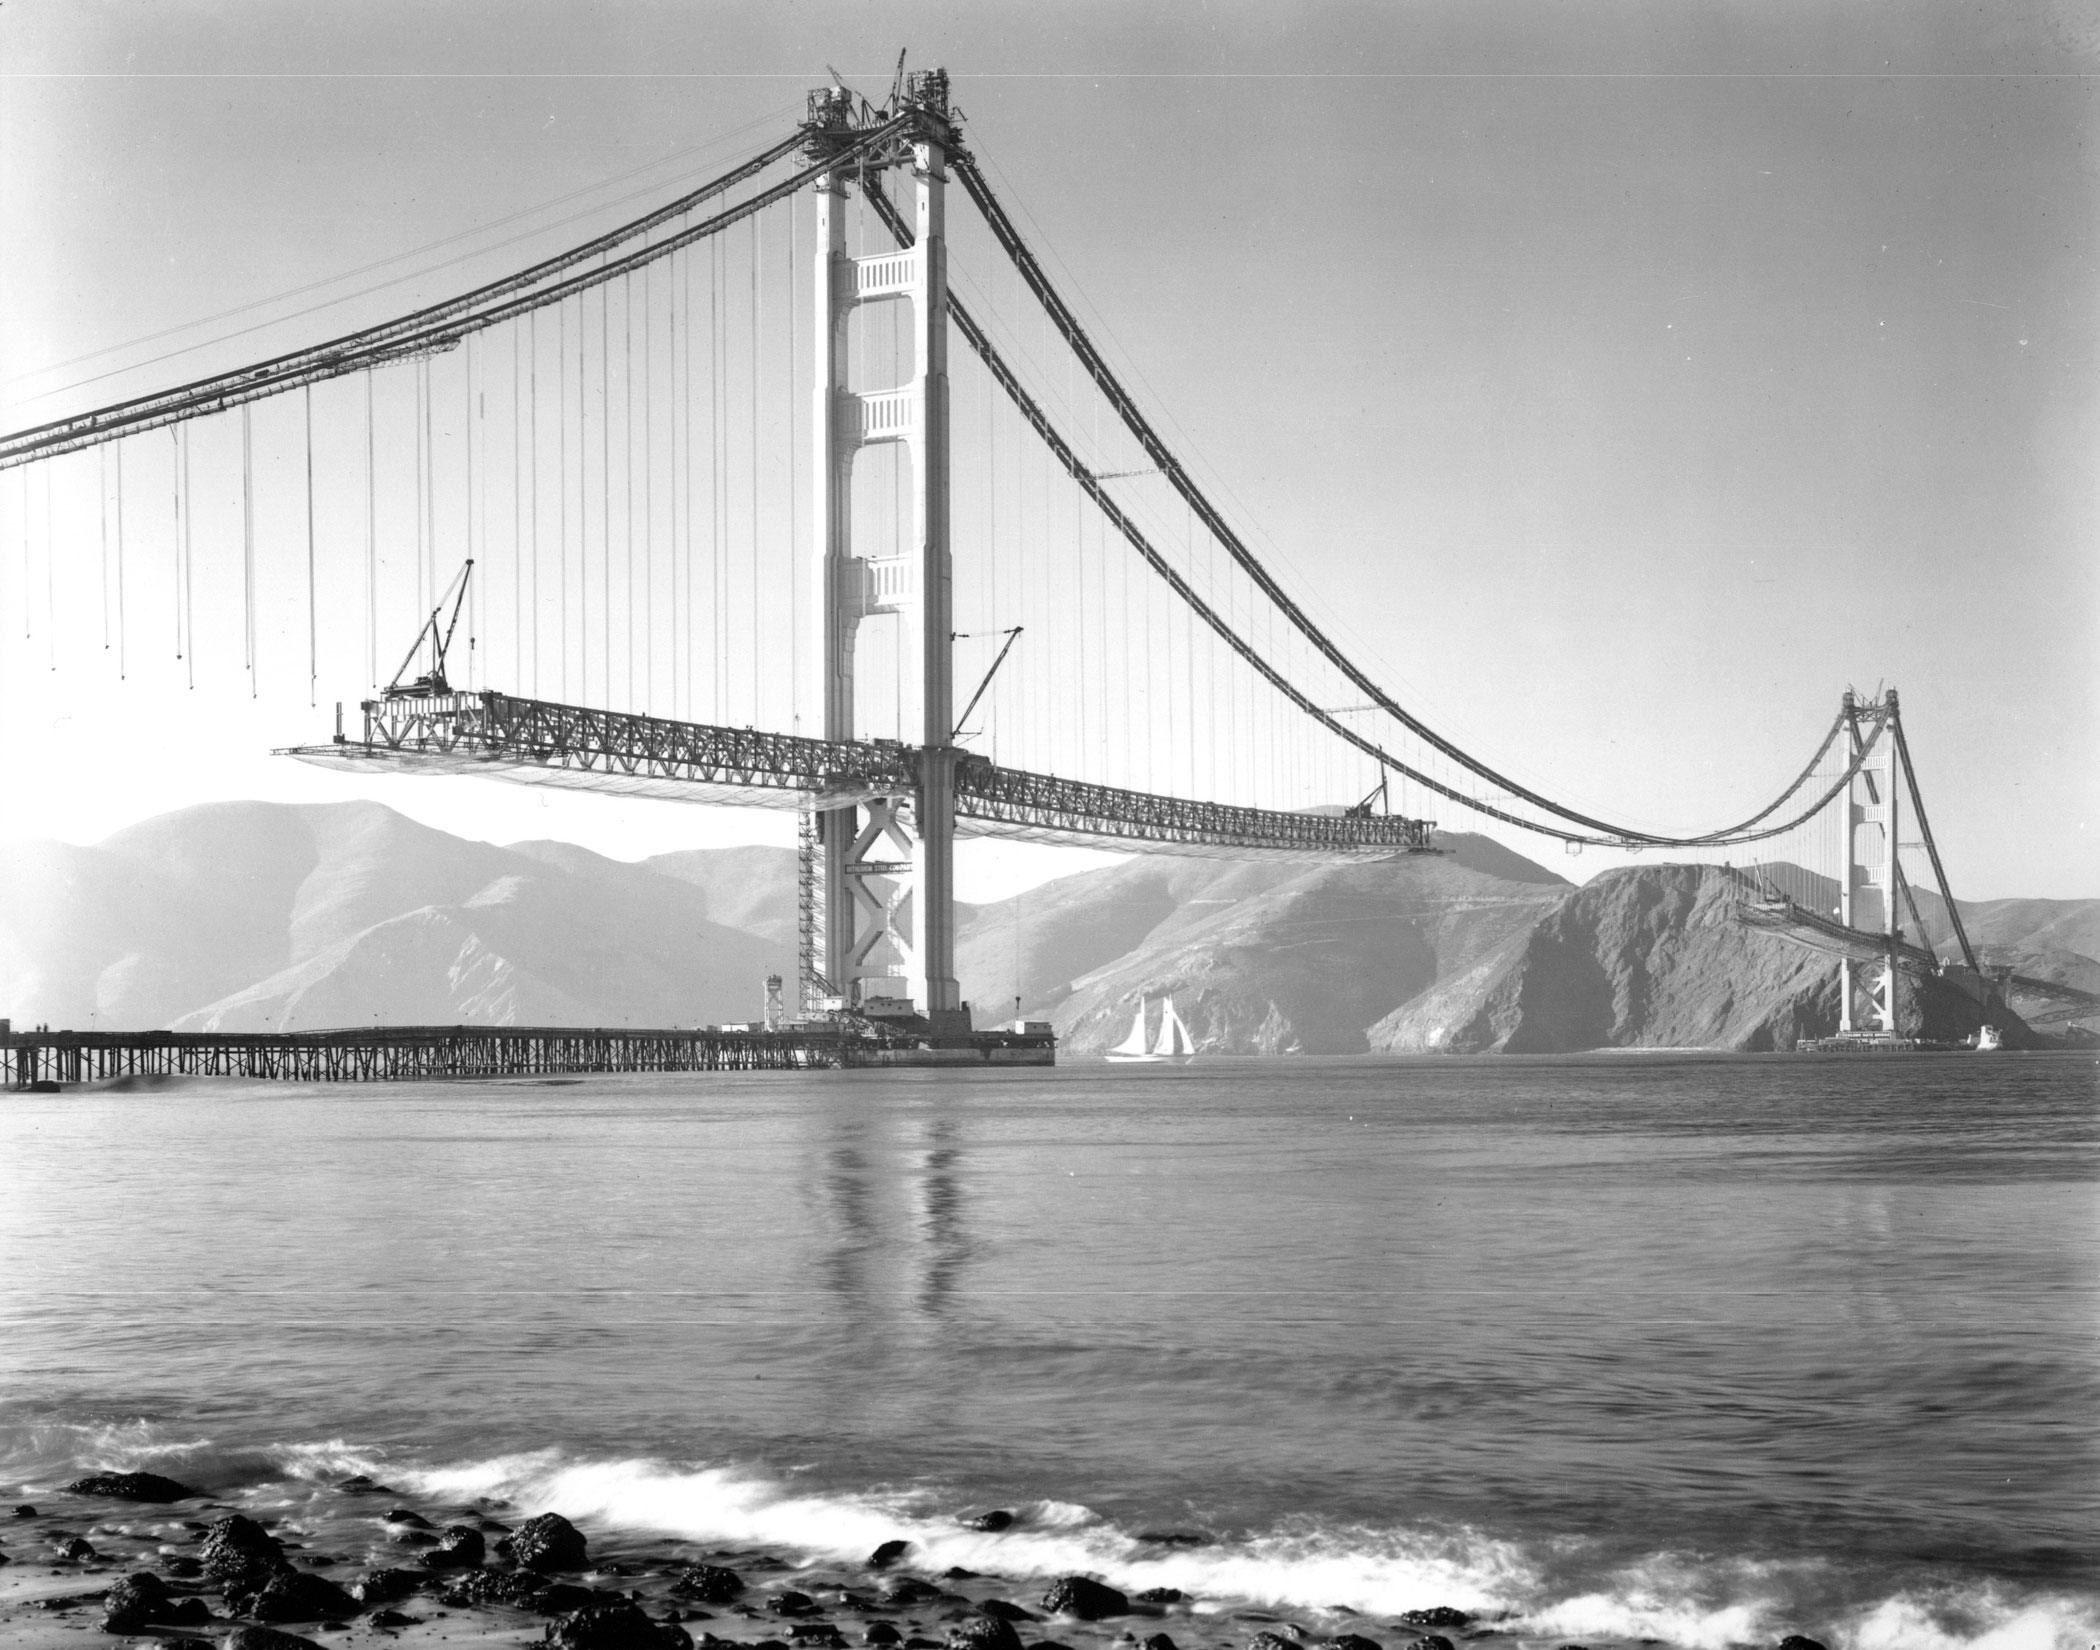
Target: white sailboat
1172,1043
1133,1047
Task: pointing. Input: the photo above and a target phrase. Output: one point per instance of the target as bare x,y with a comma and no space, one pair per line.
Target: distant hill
260,916
1260,957
250,916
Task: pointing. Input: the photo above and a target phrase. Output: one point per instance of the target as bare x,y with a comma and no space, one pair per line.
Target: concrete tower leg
885,897
1867,893
835,578
933,857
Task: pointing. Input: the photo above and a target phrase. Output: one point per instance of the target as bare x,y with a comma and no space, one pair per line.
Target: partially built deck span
536,742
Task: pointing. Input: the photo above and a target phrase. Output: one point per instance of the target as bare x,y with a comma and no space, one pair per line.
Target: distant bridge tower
1867,894
880,902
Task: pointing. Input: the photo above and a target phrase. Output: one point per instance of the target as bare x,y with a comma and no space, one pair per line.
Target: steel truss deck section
499,736
532,741
994,801
1816,932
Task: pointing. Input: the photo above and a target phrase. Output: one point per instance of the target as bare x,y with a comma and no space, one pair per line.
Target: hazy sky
1629,379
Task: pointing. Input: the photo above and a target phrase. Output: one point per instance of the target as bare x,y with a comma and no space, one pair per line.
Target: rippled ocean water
1688,1348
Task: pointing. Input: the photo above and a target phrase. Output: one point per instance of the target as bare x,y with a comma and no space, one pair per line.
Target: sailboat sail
1174,1039
1134,1044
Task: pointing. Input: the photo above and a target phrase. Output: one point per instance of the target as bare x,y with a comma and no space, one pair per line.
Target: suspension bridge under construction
747,494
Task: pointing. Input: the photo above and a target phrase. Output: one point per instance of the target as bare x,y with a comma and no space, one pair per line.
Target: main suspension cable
1148,438
1031,410
434,328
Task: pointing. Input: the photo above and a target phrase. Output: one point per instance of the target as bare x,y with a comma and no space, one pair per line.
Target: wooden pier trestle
389,1054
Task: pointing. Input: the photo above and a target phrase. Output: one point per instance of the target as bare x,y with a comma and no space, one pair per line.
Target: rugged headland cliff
253,916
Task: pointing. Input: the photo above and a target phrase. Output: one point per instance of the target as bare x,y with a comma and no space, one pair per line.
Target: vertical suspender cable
517,499
716,583
371,545
605,472
248,546
102,496
583,524
50,578
671,366
794,454
422,482
627,385
648,490
122,663
313,620
757,247
174,522
682,641
532,492
561,456
473,422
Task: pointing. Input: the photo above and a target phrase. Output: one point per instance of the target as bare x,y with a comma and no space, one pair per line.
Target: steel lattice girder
532,741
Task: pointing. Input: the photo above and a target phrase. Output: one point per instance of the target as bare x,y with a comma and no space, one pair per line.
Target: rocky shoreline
143,1559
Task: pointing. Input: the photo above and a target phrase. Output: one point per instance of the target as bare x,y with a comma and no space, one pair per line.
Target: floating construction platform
396,1054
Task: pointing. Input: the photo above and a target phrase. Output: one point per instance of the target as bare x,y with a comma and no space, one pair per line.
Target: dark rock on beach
708,1584
1266,1640
132,1486
1158,1641
239,1555
23,1511
887,1554
515,1589
1171,1538
616,1625
1084,1598
546,1544
991,1522
1161,1595
386,1586
791,1603
462,1547
1431,1641
880,1632
909,1590
134,1601
390,1619
291,1596
1794,1641
1348,1641
1441,1616
409,1518
183,1566
984,1633
77,1550
1004,1611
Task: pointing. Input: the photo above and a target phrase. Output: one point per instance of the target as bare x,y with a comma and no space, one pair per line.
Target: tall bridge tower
878,882
1867,890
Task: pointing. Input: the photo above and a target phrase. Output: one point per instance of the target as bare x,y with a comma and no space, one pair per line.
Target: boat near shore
1172,1043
